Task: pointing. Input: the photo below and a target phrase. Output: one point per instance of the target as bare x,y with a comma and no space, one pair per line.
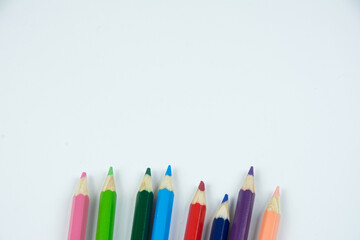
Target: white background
210,87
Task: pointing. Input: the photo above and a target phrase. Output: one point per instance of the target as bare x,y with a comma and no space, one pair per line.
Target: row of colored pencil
163,212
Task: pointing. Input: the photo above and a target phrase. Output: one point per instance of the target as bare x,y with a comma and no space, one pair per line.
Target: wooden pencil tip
111,171
201,186
148,171
168,171
83,175
251,171
277,192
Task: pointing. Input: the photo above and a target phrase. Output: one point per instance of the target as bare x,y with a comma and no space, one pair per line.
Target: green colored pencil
107,204
143,206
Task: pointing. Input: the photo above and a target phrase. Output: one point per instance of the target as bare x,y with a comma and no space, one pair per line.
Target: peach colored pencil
79,211
271,218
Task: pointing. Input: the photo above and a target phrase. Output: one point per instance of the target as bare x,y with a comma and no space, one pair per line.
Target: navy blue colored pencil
220,225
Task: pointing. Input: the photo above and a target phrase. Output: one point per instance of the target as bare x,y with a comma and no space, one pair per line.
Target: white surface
210,87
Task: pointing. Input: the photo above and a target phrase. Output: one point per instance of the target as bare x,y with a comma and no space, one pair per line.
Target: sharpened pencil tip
277,192
168,171
111,171
201,186
148,171
83,175
251,171
226,197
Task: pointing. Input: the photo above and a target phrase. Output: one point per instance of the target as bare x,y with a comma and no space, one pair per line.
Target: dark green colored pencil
143,207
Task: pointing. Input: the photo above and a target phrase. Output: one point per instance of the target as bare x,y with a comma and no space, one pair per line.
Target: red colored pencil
195,222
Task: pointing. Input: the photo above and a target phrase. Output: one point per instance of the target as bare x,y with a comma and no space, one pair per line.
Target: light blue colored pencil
163,211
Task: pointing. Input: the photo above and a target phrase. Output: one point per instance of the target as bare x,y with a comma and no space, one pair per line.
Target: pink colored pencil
79,210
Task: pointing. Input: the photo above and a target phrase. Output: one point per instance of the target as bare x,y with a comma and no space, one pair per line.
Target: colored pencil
163,211
79,210
221,222
107,204
271,218
143,206
196,217
244,207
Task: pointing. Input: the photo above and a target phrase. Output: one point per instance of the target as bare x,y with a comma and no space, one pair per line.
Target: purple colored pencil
244,207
